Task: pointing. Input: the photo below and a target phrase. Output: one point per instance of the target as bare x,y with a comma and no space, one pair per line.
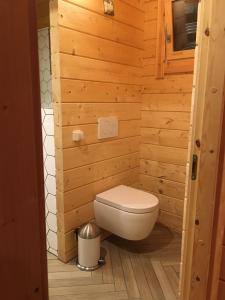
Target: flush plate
107,127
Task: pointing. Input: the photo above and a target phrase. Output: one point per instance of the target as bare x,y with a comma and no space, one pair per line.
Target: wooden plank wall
165,125
42,8
221,290
97,68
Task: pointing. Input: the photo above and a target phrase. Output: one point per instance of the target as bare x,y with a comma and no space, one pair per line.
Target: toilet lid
129,199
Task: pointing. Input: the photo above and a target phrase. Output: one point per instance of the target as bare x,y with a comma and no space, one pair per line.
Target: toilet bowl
127,212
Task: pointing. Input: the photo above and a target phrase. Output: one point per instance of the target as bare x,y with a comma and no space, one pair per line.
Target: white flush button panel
107,127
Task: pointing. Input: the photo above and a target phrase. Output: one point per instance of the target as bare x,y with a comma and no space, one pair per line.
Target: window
178,22
184,14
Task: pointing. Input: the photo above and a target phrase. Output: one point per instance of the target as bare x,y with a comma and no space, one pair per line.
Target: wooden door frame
219,224
23,261
207,115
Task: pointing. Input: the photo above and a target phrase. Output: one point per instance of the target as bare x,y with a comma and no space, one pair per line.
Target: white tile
50,165
41,68
50,145
43,134
42,114
49,124
52,239
41,41
44,86
46,191
44,153
53,251
50,183
46,227
47,244
46,54
47,75
51,203
52,222
48,111
46,210
45,173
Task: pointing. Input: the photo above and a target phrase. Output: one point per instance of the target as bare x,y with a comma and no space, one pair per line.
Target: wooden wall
221,294
97,68
164,129
42,9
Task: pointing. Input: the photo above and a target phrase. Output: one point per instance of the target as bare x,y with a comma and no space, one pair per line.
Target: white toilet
127,212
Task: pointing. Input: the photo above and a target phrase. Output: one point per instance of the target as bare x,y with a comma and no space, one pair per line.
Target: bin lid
89,231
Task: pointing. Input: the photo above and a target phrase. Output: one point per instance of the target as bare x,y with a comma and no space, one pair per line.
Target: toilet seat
129,199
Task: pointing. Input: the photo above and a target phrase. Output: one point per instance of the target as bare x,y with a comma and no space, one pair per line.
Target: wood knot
207,32
36,290
198,143
214,90
196,222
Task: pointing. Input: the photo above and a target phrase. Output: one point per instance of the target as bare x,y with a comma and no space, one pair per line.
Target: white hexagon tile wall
48,139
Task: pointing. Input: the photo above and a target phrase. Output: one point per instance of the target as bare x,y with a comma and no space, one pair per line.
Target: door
23,271
208,110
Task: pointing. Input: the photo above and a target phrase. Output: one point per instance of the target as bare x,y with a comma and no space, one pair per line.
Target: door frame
206,128
23,257
218,226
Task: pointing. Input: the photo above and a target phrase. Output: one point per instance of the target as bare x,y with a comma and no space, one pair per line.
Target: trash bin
89,247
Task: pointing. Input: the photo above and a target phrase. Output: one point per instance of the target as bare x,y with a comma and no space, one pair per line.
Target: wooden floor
134,270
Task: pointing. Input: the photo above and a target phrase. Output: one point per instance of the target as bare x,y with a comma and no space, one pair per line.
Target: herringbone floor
147,270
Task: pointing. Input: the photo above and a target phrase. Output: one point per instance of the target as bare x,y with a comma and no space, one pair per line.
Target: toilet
127,212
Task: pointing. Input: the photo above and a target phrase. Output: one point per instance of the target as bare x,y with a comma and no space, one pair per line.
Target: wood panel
124,12
76,67
139,4
129,128
162,186
78,114
151,10
168,120
74,42
165,123
171,220
84,194
177,156
81,176
94,91
167,102
171,205
149,49
150,30
165,137
98,73
162,170
85,155
181,83
74,17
